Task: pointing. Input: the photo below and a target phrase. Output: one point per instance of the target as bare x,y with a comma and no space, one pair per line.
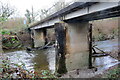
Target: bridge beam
72,39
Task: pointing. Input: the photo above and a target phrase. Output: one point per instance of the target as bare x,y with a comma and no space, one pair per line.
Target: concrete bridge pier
73,47
39,37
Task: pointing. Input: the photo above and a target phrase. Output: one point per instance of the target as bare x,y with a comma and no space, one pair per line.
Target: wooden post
90,46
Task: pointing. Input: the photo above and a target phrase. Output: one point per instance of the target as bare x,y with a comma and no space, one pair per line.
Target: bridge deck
81,11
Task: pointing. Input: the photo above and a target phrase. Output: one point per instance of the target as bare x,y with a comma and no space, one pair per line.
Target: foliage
9,40
101,36
14,25
2,19
114,73
31,15
43,13
28,16
5,11
55,7
114,32
4,31
10,43
12,70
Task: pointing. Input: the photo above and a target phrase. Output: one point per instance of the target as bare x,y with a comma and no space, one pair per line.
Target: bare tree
59,5
56,7
34,14
43,13
28,16
31,15
6,10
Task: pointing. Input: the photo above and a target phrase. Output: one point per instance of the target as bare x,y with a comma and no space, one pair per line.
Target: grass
114,73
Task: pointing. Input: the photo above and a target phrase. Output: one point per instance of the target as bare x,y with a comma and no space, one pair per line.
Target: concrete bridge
73,32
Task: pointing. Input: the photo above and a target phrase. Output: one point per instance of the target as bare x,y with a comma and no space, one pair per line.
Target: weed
12,70
114,73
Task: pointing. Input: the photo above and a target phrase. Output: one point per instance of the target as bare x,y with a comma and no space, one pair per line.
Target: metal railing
56,7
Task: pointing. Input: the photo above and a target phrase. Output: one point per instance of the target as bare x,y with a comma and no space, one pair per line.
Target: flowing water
45,59
36,60
103,63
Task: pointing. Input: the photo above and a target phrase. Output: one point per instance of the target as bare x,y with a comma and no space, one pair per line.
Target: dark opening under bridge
73,32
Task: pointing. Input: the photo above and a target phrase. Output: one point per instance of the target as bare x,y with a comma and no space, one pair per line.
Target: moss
61,49
62,66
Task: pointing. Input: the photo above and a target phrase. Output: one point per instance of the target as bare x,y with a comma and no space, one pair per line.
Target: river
45,59
36,60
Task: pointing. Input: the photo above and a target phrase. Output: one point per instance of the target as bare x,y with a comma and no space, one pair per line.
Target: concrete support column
45,36
38,38
75,45
32,38
60,48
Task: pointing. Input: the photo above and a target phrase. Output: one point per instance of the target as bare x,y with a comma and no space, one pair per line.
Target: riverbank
110,47
14,71
103,65
107,73
92,73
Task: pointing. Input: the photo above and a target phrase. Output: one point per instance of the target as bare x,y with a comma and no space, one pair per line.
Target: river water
36,60
45,59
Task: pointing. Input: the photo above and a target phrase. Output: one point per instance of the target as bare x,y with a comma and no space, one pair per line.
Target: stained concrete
51,34
77,45
60,48
74,45
38,38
